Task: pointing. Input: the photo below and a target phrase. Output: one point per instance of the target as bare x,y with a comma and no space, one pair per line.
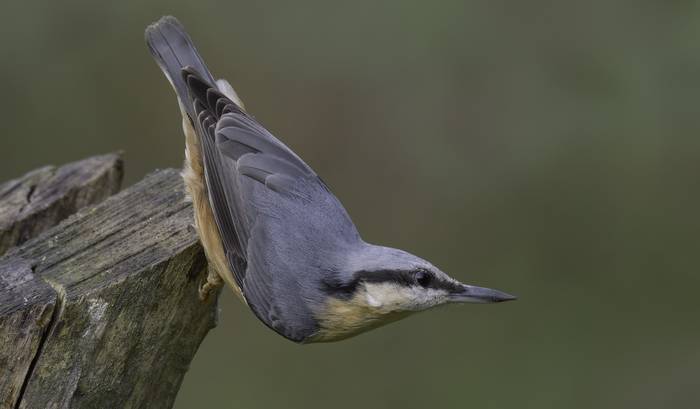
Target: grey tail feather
173,50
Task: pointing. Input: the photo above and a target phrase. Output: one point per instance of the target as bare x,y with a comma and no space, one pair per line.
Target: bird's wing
256,185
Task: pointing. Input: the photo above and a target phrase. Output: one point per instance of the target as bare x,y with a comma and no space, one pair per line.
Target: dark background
549,150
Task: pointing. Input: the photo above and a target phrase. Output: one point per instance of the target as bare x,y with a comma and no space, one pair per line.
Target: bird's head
383,285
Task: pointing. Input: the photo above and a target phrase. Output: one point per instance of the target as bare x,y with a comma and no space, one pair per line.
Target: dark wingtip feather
196,85
189,70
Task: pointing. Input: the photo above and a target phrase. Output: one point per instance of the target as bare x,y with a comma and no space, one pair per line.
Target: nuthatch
272,229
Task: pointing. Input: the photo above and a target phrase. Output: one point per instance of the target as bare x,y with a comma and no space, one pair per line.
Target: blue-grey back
282,229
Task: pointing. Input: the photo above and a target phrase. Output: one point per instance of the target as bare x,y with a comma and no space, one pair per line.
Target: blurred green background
549,149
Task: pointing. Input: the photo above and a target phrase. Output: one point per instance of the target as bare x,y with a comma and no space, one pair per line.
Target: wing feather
275,217
250,175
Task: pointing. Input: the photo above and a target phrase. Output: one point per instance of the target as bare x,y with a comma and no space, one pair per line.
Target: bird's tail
173,50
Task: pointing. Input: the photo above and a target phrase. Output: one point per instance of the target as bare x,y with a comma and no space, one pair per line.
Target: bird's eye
423,278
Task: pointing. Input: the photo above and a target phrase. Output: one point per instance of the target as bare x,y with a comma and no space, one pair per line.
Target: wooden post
101,310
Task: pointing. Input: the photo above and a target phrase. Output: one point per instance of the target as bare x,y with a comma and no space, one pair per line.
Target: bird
272,229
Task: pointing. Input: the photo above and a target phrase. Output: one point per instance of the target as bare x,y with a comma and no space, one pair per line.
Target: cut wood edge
40,199
117,318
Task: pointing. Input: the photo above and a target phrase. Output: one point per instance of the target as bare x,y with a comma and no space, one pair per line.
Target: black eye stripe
406,278
333,286
423,278
383,276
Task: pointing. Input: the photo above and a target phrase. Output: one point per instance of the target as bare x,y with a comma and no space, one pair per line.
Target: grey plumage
288,241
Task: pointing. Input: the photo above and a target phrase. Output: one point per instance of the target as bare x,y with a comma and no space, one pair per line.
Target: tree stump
100,310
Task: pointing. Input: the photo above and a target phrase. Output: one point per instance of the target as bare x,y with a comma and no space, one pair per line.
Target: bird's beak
473,294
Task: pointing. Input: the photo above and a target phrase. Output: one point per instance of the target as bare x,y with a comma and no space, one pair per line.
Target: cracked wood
28,206
112,291
42,198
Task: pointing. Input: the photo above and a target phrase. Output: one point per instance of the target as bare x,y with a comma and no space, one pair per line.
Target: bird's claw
211,285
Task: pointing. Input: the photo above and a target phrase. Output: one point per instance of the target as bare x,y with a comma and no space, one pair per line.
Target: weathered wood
102,311
44,197
26,307
28,206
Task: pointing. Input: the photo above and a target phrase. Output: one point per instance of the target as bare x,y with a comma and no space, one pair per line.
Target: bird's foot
211,285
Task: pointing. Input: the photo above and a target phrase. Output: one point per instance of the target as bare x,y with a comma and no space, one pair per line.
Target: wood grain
102,310
44,197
